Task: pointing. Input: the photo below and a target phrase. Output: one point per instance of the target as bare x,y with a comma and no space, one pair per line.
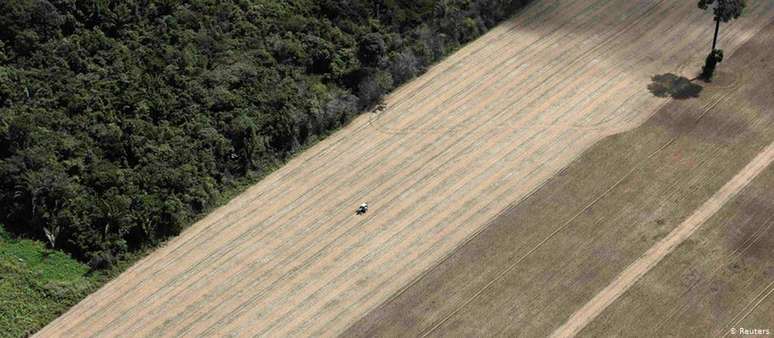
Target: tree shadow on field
676,87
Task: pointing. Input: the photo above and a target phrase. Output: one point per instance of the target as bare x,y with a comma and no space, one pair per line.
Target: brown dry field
539,262
477,133
666,246
722,277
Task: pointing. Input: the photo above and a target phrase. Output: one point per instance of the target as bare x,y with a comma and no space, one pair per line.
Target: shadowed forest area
121,122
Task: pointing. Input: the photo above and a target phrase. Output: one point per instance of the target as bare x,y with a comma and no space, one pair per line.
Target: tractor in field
362,209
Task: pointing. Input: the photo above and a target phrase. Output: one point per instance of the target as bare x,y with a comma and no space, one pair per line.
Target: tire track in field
655,254
731,257
750,308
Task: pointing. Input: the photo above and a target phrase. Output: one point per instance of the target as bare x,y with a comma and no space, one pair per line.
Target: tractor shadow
676,87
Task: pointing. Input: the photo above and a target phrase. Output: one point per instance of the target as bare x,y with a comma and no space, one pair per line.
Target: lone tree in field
724,10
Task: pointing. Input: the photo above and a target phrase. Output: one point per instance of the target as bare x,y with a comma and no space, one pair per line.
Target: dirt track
721,278
455,147
655,254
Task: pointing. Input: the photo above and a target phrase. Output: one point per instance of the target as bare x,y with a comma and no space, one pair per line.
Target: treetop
724,10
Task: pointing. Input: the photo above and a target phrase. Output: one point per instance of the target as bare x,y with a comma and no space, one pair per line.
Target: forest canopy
123,121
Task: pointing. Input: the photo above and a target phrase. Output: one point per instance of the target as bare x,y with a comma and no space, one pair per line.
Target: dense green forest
121,122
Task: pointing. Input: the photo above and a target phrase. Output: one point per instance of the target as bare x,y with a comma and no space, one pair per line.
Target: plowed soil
478,132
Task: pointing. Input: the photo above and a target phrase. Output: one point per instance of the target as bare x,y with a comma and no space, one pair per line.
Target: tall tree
724,10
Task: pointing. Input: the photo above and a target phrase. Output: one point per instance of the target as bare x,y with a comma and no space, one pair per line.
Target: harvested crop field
541,261
452,150
720,279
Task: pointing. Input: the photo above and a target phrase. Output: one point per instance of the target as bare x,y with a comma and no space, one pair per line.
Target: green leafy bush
37,284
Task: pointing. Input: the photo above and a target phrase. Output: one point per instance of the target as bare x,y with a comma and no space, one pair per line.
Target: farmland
720,279
540,261
500,202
